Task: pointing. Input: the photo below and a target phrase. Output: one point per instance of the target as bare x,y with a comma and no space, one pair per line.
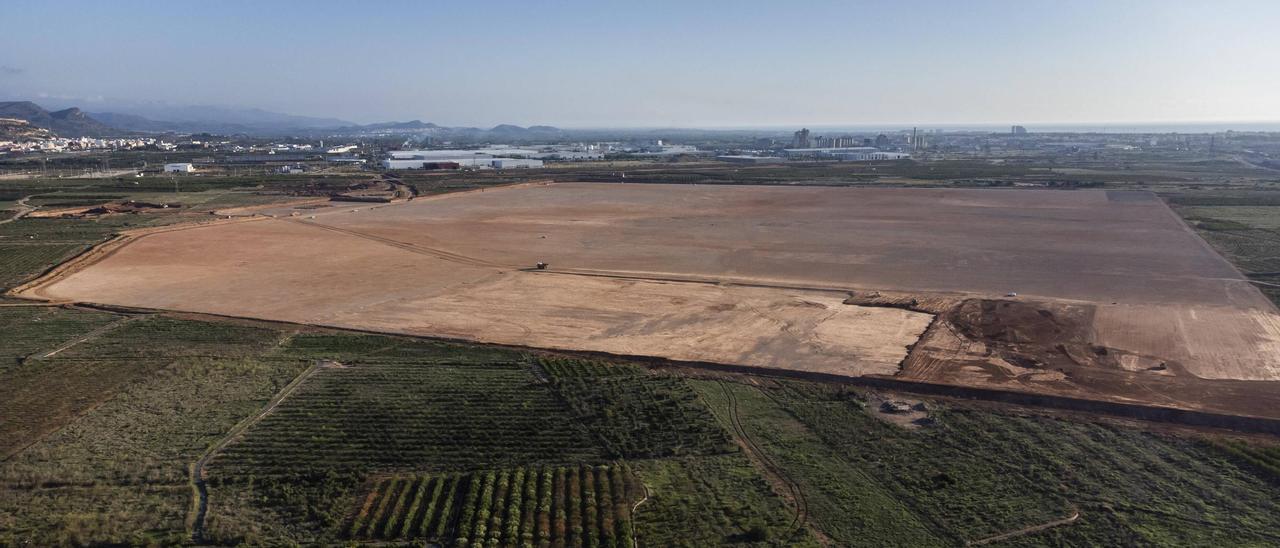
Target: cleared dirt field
291,271
1096,246
715,273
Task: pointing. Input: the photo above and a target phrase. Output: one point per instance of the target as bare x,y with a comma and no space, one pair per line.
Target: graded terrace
1066,292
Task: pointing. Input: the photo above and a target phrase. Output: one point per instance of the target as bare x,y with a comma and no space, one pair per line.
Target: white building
475,162
179,168
869,156
340,150
485,158
514,163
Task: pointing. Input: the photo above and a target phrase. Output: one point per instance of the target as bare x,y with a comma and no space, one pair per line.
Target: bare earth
291,271
736,275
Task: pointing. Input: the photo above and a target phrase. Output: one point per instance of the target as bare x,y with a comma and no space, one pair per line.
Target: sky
657,63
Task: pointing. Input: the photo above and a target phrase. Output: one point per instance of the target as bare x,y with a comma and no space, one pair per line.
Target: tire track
797,494
433,252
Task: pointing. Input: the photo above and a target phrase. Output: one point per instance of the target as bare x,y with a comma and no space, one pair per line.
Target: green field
105,431
973,474
634,414
526,506
1244,227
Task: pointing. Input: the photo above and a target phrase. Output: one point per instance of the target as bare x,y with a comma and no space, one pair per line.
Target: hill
71,122
12,129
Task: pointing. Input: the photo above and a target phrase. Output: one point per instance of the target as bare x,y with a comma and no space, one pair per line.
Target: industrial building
870,156
801,138
474,159
179,168
845,154
826,151
744,159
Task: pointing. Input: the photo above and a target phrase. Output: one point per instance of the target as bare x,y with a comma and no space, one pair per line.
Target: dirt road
200,491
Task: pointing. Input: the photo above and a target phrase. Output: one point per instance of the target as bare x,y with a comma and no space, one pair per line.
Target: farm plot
637,415
32,330
970,475
410,415
742,275
526,506
102,435
712,501
827,491
45,394
1264,459
19,262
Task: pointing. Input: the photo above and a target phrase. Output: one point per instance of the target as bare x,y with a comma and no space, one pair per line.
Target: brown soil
1118,300
1053,348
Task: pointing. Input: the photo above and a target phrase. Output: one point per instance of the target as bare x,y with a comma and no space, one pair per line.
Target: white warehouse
472,162
179,168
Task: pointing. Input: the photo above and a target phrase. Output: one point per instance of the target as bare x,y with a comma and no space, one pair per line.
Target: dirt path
23,210
200,491
1075,515
771,468
92,335
635,540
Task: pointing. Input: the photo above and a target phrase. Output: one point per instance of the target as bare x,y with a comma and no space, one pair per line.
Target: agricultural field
635,414
47,391
968,476
708,501
98,438
31,331
1244,227
527,506
22,261
320,436
398,411
661,271
383,405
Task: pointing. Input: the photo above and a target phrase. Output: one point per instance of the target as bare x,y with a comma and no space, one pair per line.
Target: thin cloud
11,71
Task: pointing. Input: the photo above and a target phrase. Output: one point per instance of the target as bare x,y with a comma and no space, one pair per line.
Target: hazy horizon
587,66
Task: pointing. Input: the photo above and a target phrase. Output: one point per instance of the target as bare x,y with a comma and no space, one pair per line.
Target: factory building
826,151
870,156
179,168
846,154
744,159
485,158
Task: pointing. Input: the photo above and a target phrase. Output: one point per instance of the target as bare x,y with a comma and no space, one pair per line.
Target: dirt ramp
1082,350
1032,334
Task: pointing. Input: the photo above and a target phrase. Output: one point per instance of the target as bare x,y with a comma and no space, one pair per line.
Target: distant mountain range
72,122
155,118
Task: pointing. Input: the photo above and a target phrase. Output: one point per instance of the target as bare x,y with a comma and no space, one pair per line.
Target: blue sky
706,64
